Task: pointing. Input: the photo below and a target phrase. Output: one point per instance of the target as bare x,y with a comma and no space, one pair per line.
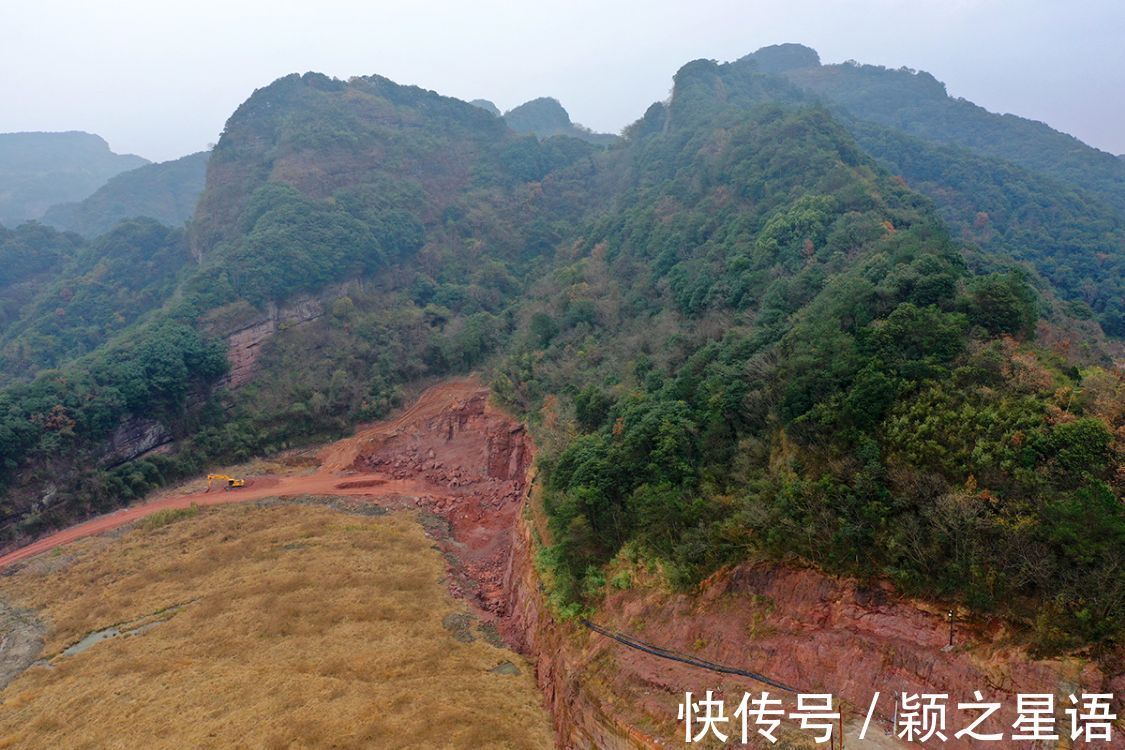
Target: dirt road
336,475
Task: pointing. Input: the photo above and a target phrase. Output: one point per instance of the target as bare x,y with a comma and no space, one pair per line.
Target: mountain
545,117
38,170
1013,187
1072,240
916,103
791,358
407,208
167,192
739,334
487,106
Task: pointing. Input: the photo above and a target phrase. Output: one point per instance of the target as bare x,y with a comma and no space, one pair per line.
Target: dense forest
753,326
916,103
1072,239
167,192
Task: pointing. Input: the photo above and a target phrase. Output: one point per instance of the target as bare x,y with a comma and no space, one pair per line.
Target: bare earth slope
276,623
464,467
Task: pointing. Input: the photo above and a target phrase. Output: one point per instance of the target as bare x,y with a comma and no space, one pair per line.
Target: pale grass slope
300,627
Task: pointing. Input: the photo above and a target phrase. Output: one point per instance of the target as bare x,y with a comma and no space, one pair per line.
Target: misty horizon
504,109
1049,64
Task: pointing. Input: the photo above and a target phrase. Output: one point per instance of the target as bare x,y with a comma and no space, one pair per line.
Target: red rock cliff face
585,715
799,627
244,346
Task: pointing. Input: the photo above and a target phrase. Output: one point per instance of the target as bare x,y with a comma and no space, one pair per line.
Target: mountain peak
546,117
487,106
542,116
779,58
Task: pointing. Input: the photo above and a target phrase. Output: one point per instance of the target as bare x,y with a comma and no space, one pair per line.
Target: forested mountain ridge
360,134
916,103
416,202
1072,239
735,333
771,347
38,170
1013,186
167,192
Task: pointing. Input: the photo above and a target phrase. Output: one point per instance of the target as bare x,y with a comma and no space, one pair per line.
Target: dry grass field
261,627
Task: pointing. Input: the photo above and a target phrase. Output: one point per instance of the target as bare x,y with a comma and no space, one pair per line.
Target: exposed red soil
799,627
357,483
449,454
255,489
454,456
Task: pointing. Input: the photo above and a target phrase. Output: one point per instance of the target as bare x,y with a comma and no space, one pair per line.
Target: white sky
159,78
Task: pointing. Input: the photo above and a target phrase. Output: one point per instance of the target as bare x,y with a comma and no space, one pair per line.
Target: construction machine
229,483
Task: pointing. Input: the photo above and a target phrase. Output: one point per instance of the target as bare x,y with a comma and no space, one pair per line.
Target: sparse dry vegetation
306,628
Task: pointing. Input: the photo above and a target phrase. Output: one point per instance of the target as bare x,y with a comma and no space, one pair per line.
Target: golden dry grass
304,627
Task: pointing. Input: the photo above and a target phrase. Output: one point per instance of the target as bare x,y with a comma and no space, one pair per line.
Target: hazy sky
159,78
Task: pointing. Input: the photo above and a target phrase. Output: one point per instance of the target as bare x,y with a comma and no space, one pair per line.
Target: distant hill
39,170
167,192
329,138
916,103
487,106
545,117
1016,188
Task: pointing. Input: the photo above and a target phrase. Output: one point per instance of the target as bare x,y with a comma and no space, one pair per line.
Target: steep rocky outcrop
133,438
799,627
487,106
585,716
244,345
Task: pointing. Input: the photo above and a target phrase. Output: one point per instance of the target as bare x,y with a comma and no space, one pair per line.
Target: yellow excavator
229,483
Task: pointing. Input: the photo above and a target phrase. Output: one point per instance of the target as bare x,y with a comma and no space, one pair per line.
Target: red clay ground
449,454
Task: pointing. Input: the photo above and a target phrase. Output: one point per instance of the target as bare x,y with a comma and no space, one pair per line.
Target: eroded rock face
21,641
796,626
479,459
585,715
133,438
244,346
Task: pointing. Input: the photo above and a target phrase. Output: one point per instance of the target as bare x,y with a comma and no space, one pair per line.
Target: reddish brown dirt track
449,453
316,484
